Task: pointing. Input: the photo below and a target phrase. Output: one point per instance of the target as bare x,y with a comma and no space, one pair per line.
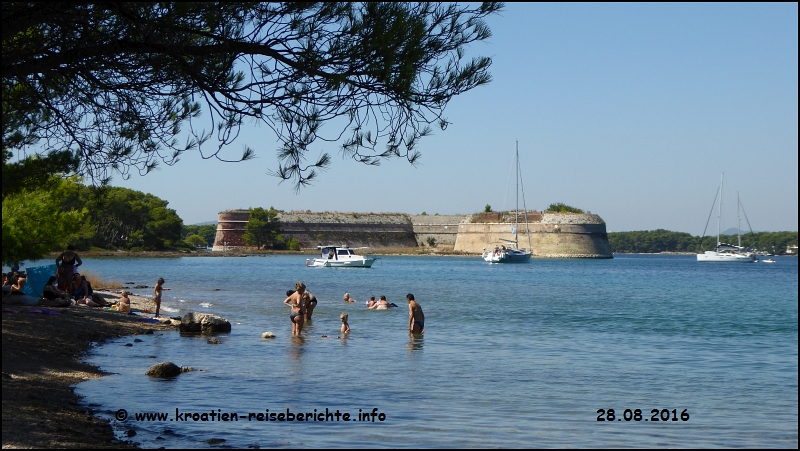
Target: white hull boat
340,257
733,257
726,252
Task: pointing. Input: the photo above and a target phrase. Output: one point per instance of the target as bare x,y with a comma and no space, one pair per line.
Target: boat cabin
335,252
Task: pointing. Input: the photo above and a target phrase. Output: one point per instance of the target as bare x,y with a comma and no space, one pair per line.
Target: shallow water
513,355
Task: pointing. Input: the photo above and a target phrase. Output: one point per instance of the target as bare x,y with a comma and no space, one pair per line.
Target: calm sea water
512,356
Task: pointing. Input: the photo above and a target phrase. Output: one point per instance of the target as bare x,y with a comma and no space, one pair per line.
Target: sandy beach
41,363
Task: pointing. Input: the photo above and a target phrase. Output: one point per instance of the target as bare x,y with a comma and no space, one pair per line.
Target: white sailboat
514,254
726,252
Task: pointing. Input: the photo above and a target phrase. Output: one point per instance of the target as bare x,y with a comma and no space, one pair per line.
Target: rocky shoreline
41,364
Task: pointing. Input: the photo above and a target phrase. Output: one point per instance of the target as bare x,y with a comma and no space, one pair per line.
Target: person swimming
382,304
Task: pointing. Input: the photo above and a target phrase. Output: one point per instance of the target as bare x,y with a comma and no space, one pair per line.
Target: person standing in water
67,262
416,319
311,303
297,302
157,294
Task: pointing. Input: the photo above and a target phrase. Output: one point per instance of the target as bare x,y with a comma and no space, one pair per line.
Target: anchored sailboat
725,252
514,254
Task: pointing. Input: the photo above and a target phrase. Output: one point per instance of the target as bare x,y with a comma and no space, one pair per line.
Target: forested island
655,241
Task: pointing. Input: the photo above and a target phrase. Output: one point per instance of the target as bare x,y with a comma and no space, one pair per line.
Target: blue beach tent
37,279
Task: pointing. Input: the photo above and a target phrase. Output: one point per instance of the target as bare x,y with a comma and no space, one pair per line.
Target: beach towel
37,278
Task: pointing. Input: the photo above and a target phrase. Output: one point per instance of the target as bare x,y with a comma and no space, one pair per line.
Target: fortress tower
552,235
231,226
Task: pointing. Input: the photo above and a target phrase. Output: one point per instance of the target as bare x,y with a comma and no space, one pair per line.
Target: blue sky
630,111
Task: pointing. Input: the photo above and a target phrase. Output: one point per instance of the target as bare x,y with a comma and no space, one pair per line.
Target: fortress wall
311,235
349,228
442,228
553,235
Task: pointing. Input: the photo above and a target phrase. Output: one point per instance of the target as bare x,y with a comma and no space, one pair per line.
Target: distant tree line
654,241
199,235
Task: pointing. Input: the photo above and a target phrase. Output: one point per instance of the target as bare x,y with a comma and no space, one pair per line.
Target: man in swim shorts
416,319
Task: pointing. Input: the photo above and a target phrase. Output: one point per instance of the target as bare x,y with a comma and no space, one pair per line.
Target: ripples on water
513,355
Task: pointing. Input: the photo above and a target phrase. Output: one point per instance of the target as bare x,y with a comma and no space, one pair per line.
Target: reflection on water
415,342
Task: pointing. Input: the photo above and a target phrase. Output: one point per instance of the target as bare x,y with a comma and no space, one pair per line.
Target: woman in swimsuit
66,267
297,302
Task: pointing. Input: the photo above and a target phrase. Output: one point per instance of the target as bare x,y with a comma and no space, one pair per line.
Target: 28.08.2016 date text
636,415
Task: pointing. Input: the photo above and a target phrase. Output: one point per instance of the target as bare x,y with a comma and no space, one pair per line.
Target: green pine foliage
263,228
563,208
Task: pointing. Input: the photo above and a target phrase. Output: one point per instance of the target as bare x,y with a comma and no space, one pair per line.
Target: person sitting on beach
78,288
51,292
345,326
347,298
81,290
15,296
52,296
124,304
19,283
382,304
296,301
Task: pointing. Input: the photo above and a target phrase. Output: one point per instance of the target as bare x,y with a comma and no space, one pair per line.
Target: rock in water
164,369
267,335
204,323
214,341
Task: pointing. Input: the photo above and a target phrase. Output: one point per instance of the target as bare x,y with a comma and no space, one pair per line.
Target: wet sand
41,363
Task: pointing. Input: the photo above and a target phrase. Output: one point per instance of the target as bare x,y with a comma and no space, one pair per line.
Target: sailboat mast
738,221
719,213
516,209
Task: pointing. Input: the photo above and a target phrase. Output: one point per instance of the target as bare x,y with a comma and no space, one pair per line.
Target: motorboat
769,260
512,254
340,257
726,252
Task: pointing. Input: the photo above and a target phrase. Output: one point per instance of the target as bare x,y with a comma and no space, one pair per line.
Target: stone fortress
552,235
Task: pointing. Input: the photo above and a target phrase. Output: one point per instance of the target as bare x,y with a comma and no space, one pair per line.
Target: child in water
345,326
